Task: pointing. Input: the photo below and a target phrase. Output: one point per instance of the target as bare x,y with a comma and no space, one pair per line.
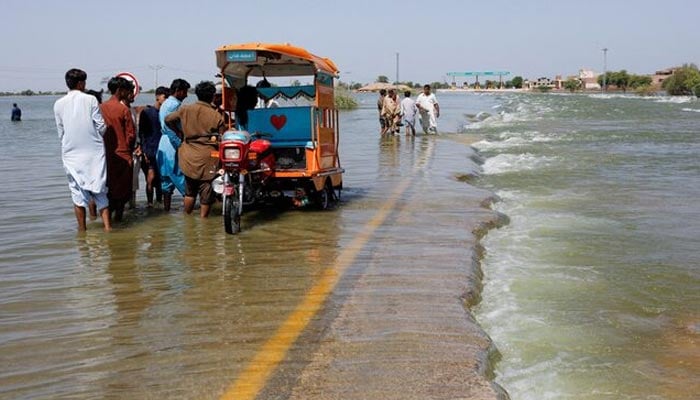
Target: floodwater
169,306
587,290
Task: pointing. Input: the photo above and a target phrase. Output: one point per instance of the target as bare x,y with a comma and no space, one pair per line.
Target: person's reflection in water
113,326
425,151
409,147
125,275
389,160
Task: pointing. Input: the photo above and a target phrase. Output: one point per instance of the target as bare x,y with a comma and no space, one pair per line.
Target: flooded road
364,301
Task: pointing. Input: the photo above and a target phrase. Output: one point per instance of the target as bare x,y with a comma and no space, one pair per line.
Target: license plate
229,190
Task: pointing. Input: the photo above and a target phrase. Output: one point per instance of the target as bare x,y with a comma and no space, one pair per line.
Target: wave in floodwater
591,292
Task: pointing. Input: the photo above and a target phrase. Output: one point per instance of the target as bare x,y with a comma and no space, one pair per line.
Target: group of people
393,114
100,145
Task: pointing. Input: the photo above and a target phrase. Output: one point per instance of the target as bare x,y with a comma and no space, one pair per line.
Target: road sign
131,78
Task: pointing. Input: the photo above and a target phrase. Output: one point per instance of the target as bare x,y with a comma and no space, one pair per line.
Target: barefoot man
80,128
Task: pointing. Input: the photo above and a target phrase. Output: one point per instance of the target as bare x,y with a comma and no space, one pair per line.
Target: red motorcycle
247,163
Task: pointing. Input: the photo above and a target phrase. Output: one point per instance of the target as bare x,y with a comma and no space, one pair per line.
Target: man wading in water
80,128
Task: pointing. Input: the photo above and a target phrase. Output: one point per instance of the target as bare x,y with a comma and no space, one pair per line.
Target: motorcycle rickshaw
284,154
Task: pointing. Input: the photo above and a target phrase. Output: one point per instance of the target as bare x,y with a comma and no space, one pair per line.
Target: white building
589,79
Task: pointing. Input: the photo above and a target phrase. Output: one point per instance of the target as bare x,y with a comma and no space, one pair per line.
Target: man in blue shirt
171,177
16,113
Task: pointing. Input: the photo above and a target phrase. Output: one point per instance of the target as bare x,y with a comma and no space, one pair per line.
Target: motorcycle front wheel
232,215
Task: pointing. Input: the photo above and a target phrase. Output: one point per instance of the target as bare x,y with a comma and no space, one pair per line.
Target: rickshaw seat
288,126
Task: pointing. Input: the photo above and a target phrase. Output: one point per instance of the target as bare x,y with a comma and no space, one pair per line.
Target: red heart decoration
278,121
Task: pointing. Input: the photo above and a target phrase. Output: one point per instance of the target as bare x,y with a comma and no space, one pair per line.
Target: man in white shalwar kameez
429,110
80,129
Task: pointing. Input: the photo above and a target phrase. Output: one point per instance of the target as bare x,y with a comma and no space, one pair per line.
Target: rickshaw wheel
232,217
325,197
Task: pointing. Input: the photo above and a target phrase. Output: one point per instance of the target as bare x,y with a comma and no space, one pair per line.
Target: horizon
146,89
529,40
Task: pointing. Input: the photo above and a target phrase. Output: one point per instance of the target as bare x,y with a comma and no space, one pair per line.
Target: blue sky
41,39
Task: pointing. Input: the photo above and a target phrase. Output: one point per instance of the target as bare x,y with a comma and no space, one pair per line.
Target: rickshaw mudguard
319,182
336,178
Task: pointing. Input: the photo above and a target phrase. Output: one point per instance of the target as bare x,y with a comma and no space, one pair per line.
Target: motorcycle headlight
232,153
218,185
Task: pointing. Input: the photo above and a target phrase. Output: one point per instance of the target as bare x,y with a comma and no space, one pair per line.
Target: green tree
572,85
683,81
382,79
439,85
621,79
517,82
637,81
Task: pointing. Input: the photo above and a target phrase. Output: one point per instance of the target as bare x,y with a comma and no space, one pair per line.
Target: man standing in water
200,123
390,112
380,106
408,113
120,139
171,176
429,110
16,113
80,129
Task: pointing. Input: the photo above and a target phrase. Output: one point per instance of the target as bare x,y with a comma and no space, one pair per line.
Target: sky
42,39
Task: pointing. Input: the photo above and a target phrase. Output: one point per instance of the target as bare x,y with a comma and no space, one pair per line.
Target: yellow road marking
249,383
253,378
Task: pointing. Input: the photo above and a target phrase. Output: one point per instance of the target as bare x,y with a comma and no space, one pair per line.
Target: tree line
30,92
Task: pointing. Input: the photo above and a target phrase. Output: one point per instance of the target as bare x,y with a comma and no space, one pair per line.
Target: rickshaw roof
272,59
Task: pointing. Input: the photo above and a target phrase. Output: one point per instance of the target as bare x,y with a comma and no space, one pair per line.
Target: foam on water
509,114
675,99
607,96
655,99
504,163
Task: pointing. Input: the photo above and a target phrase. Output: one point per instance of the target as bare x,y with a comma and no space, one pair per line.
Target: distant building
589,79
542,82
659,76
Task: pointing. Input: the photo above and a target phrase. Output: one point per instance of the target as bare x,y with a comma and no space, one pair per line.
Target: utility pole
605,68
397,67
155,68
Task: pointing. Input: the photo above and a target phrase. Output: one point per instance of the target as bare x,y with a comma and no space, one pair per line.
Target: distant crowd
394,114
